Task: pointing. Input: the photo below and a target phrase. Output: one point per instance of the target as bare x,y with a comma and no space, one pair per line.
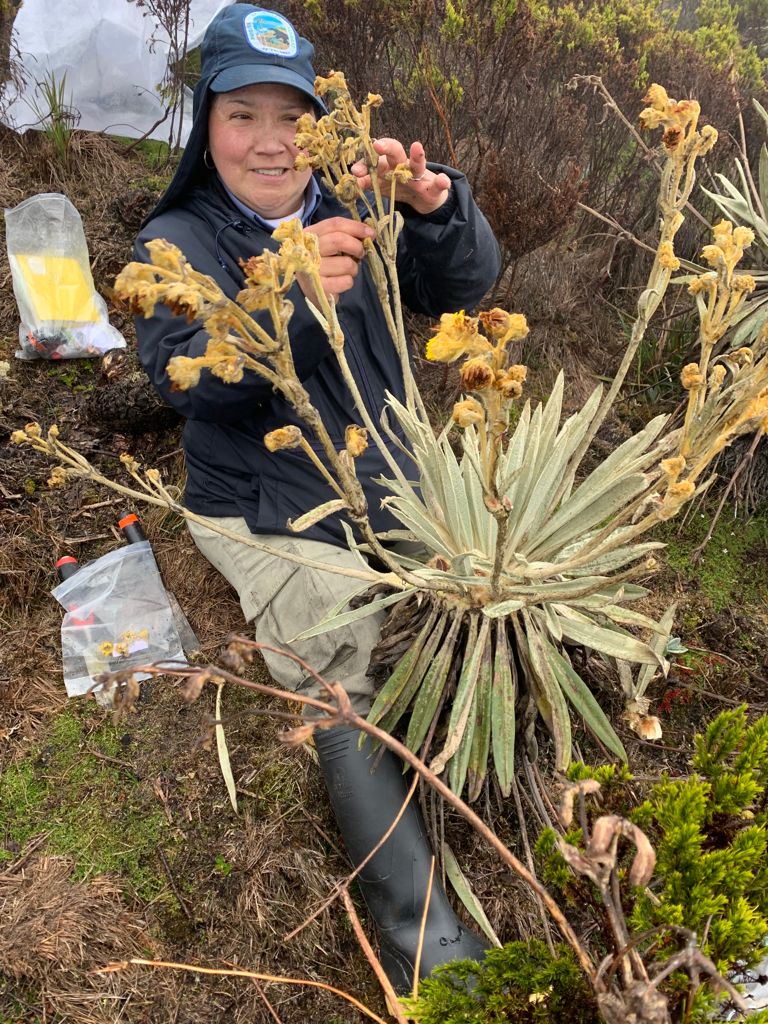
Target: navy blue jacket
447,261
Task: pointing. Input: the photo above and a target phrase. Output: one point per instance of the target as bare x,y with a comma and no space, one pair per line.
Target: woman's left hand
424,192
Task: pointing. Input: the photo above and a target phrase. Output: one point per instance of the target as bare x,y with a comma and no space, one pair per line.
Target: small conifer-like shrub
521,982
709,886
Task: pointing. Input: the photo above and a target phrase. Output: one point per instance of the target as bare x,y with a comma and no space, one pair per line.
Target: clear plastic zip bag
117,616
62,315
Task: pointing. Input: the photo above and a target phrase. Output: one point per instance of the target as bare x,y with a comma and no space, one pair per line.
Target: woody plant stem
340,712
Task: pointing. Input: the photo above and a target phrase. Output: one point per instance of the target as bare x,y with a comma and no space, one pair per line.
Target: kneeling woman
235,184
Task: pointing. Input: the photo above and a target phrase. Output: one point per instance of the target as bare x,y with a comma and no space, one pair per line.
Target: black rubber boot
394,882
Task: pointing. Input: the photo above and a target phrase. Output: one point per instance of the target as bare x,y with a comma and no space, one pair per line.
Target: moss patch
733,566
90,808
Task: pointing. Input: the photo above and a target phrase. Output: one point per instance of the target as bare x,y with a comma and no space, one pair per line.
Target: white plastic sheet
112,66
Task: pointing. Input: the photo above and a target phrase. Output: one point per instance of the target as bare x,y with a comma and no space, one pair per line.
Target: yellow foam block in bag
57,288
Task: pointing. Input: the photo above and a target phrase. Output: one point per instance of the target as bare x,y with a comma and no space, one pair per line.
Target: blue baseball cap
247,45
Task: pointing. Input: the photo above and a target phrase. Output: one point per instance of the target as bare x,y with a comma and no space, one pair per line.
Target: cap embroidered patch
270,33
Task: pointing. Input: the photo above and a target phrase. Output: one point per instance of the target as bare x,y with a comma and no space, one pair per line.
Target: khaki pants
282,599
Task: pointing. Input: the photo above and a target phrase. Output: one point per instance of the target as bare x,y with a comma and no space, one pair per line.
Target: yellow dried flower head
106,649
184,371
703,283
743,237
139,296
743,283
682,490
729,246
18,437
722,232
305,163
716,377
691,377
251,299
356,440
651,118
335,82
686,110
476,374
678,119
517,330
352,150
129,462
508,385
402,173
53,432
183,299
743,356
677,494
347,189
504,327
33,430
299,252
221,323
373,100
456,336
672,137
225,360
667,258
713,255
757,408
517,372
153,475
673,467
230,370
261,281
291,229
467,412
656,97
58,477
283,437
495,322
708,138
306,122
165,255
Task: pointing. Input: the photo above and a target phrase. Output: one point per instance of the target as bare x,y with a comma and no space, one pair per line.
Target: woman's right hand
341,249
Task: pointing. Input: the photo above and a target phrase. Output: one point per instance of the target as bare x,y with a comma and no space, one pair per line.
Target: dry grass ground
118,839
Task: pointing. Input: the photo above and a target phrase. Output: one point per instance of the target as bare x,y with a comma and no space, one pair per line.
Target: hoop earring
206,157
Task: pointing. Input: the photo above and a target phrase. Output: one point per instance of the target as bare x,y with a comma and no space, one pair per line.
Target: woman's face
250,138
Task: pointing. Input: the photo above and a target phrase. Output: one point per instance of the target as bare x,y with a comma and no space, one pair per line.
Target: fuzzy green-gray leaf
315,515
353,616
402,672
549,693
582,699
390,719
503,711
465,691
608,641
481,735
431,690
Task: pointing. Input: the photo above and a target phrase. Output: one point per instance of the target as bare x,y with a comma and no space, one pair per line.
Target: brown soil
227,888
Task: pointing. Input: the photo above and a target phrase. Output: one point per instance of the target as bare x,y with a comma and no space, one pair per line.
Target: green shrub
521,982
711,875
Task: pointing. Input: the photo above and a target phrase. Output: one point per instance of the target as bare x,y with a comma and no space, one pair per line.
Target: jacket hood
191,170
